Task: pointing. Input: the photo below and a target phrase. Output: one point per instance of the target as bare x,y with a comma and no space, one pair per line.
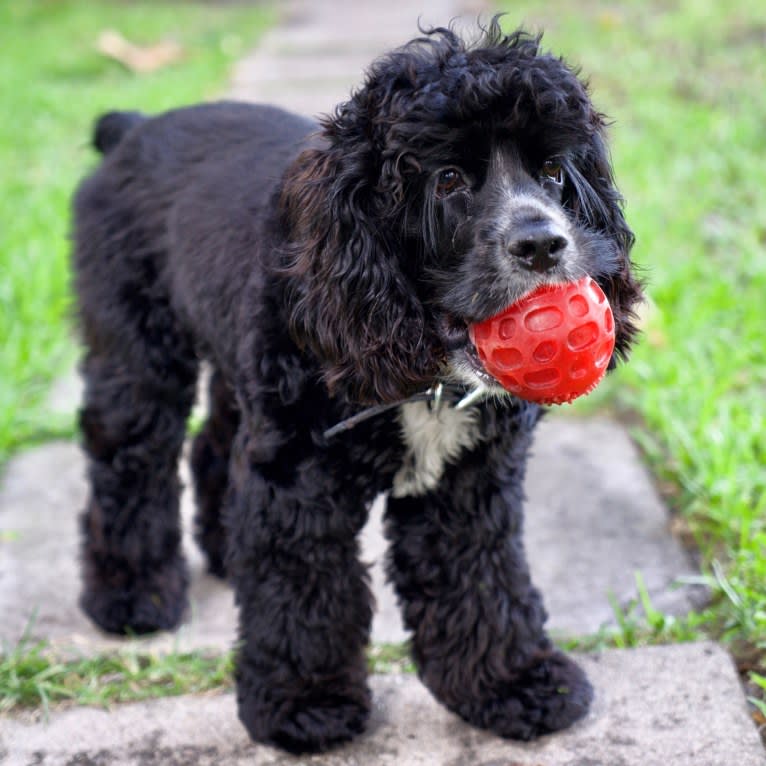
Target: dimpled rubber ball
552,345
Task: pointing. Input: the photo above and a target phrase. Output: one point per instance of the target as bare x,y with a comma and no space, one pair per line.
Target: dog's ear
351,303
594,199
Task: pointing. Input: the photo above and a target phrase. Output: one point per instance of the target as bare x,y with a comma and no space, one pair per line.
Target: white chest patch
433,437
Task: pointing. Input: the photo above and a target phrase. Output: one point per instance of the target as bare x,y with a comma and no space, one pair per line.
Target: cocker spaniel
329,274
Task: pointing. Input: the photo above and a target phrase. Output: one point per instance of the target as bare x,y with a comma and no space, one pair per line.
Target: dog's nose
538,245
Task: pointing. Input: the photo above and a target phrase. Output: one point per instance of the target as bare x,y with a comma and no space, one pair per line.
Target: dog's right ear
350,302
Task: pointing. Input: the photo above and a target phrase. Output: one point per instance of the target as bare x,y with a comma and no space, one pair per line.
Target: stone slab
593,519
320,50
658,706
41,496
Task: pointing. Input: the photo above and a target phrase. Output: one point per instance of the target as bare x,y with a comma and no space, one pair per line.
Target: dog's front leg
305,605
458,564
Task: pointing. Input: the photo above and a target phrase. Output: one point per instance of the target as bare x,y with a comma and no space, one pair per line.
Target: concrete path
319,53
642,716
593,520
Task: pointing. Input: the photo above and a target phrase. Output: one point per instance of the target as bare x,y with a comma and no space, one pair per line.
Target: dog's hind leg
210,469
140,371
134,574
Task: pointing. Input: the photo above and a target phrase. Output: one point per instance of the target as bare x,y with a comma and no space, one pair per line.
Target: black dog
321,271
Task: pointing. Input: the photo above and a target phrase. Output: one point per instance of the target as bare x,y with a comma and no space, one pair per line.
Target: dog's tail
112,126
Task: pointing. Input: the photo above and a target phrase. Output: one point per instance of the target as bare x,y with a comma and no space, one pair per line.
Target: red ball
552,345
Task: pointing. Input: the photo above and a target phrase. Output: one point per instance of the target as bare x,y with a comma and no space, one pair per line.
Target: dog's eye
553,170
448,181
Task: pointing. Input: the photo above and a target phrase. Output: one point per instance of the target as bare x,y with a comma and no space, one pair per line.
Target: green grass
640,623
54,84
390,658
684,82
32,675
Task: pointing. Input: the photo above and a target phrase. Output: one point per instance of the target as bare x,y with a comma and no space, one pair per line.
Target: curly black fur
319,269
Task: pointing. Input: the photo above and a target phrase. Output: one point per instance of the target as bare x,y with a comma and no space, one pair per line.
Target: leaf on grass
137,58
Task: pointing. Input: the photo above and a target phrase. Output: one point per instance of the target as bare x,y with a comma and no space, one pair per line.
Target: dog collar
438,396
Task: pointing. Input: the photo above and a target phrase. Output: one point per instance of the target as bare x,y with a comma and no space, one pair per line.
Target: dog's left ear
594,198
351,303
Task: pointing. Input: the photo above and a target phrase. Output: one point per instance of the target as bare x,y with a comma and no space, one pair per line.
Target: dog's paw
125,604
548,696
310,724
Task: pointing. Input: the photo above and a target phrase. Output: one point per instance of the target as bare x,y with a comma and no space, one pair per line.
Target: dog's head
458,178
